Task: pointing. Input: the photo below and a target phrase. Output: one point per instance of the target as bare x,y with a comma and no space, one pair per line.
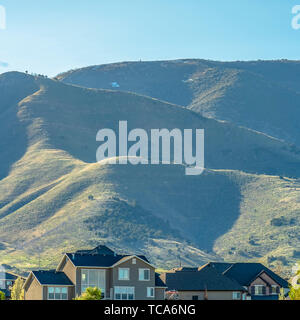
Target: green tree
281,295
90,294
294,293
2,296
17,291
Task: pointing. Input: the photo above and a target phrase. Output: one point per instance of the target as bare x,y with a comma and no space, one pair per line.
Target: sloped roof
206,278
52,277
98,260
8,276
98,250
158,281
221,266
245,273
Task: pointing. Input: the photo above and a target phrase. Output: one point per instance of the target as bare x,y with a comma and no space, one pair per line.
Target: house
120,277
260,282
204,283
7,280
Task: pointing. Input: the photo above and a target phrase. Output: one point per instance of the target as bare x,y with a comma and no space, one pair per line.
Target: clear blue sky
51,36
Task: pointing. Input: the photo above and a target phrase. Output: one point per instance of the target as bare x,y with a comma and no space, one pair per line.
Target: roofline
101,267
54,285
131,257
14,274
64,256
208,290
268,274
58,285
31,273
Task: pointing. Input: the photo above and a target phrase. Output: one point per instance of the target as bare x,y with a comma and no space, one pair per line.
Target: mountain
260,95
54,197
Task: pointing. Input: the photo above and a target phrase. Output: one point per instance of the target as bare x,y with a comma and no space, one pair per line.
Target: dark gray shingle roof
206,278
97,260
51,277
8,276
158,281
245,273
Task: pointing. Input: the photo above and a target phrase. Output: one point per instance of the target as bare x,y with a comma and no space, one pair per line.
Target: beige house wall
69,269
212,295
33,290
160,293
264,280
140,286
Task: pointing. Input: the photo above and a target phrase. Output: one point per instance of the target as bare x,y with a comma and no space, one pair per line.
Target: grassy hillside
55,198
261,95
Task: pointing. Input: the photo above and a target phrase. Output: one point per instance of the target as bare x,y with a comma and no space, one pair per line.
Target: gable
126,262
246,273
264,278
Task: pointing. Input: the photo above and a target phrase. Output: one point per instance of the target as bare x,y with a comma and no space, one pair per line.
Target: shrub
91,294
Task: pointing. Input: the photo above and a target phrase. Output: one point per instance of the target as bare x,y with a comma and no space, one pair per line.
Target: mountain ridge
261,95
45,205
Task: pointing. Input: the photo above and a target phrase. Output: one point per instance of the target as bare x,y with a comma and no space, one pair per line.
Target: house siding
33,291
211,295
140,286
160,293
264,280
69,269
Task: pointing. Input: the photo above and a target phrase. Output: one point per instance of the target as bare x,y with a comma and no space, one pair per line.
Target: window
50,293
124,293
91,278
133,261
144,274
150,292
259,290
2,284
195,298
236,296
57,293
274,289
123,274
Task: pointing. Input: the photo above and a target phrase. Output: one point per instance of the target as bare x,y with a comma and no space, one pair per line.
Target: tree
281,295
17,291
2,295
91,294
294,293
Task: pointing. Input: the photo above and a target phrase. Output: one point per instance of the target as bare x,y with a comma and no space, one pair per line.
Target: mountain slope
54,197
261,95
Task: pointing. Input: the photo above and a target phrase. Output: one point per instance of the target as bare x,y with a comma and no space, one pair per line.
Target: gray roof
52,277
158,281
245,273
206,278
97,260
8,276
98,250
